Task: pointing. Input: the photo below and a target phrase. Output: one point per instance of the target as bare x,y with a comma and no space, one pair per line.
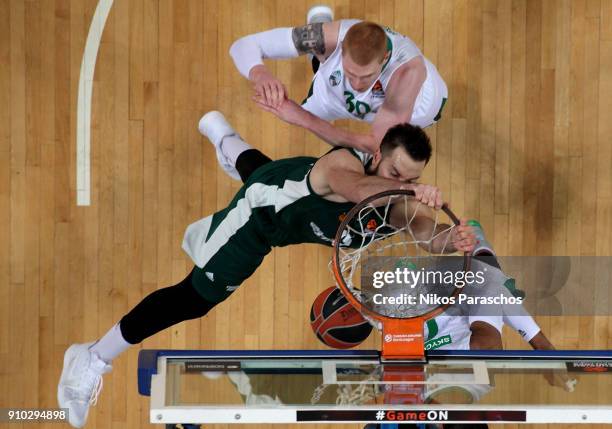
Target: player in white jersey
451,329
366,72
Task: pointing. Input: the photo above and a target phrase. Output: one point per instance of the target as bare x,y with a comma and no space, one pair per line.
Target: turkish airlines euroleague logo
401,338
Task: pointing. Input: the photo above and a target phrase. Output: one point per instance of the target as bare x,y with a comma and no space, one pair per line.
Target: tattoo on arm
309,39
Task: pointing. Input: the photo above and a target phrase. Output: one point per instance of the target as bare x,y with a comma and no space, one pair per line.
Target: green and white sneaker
483,247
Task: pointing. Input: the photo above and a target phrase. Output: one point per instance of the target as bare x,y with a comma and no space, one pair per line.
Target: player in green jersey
288,201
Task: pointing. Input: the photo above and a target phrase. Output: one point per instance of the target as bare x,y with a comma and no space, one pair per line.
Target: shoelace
93,399
93,377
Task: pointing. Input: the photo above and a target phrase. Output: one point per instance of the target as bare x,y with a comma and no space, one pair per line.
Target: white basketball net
352,394
370,243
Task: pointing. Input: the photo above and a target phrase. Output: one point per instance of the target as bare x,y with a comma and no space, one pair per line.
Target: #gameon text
433,299
413,278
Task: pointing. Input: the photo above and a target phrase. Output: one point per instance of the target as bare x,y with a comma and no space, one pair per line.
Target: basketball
336,322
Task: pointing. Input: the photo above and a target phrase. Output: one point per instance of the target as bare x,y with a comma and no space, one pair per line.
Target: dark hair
411,137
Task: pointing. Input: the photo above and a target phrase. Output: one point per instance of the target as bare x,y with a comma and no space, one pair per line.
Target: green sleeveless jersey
299,215
275,207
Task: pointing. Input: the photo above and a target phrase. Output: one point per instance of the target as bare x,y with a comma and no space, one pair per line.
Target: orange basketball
336,322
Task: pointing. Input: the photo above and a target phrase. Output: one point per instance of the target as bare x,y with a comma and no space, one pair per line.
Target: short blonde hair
365,42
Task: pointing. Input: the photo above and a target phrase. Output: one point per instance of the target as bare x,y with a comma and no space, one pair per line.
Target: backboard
357,386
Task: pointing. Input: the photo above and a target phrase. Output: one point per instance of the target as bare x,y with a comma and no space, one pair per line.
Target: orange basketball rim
403,337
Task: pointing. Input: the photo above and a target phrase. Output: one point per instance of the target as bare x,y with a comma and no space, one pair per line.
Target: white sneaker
320,13
81,382
214,126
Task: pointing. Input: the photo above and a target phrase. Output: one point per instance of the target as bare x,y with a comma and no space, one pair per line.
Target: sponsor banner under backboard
593,366
200,366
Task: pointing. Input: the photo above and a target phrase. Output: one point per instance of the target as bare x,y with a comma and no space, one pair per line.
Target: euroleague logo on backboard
403,338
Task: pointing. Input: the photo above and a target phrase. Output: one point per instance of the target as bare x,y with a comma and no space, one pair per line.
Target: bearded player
283,202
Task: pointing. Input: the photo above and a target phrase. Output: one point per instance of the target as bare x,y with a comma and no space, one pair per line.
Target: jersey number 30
356,107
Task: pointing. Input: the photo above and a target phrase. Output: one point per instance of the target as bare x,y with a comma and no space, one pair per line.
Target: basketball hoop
392,232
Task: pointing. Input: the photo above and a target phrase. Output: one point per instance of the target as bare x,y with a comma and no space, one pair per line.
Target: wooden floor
524,146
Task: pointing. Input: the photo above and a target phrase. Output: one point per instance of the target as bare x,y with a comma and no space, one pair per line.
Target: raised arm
248,53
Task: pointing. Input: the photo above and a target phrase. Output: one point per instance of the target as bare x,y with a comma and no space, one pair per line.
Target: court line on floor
88,66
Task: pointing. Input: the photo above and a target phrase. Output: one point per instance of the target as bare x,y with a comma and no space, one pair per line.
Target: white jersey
332,97
451,329
447,332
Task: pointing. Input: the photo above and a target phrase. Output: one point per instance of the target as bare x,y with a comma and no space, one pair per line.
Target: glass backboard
356,386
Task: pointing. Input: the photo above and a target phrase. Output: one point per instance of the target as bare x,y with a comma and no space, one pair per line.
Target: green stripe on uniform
310,91
432,329
439,115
